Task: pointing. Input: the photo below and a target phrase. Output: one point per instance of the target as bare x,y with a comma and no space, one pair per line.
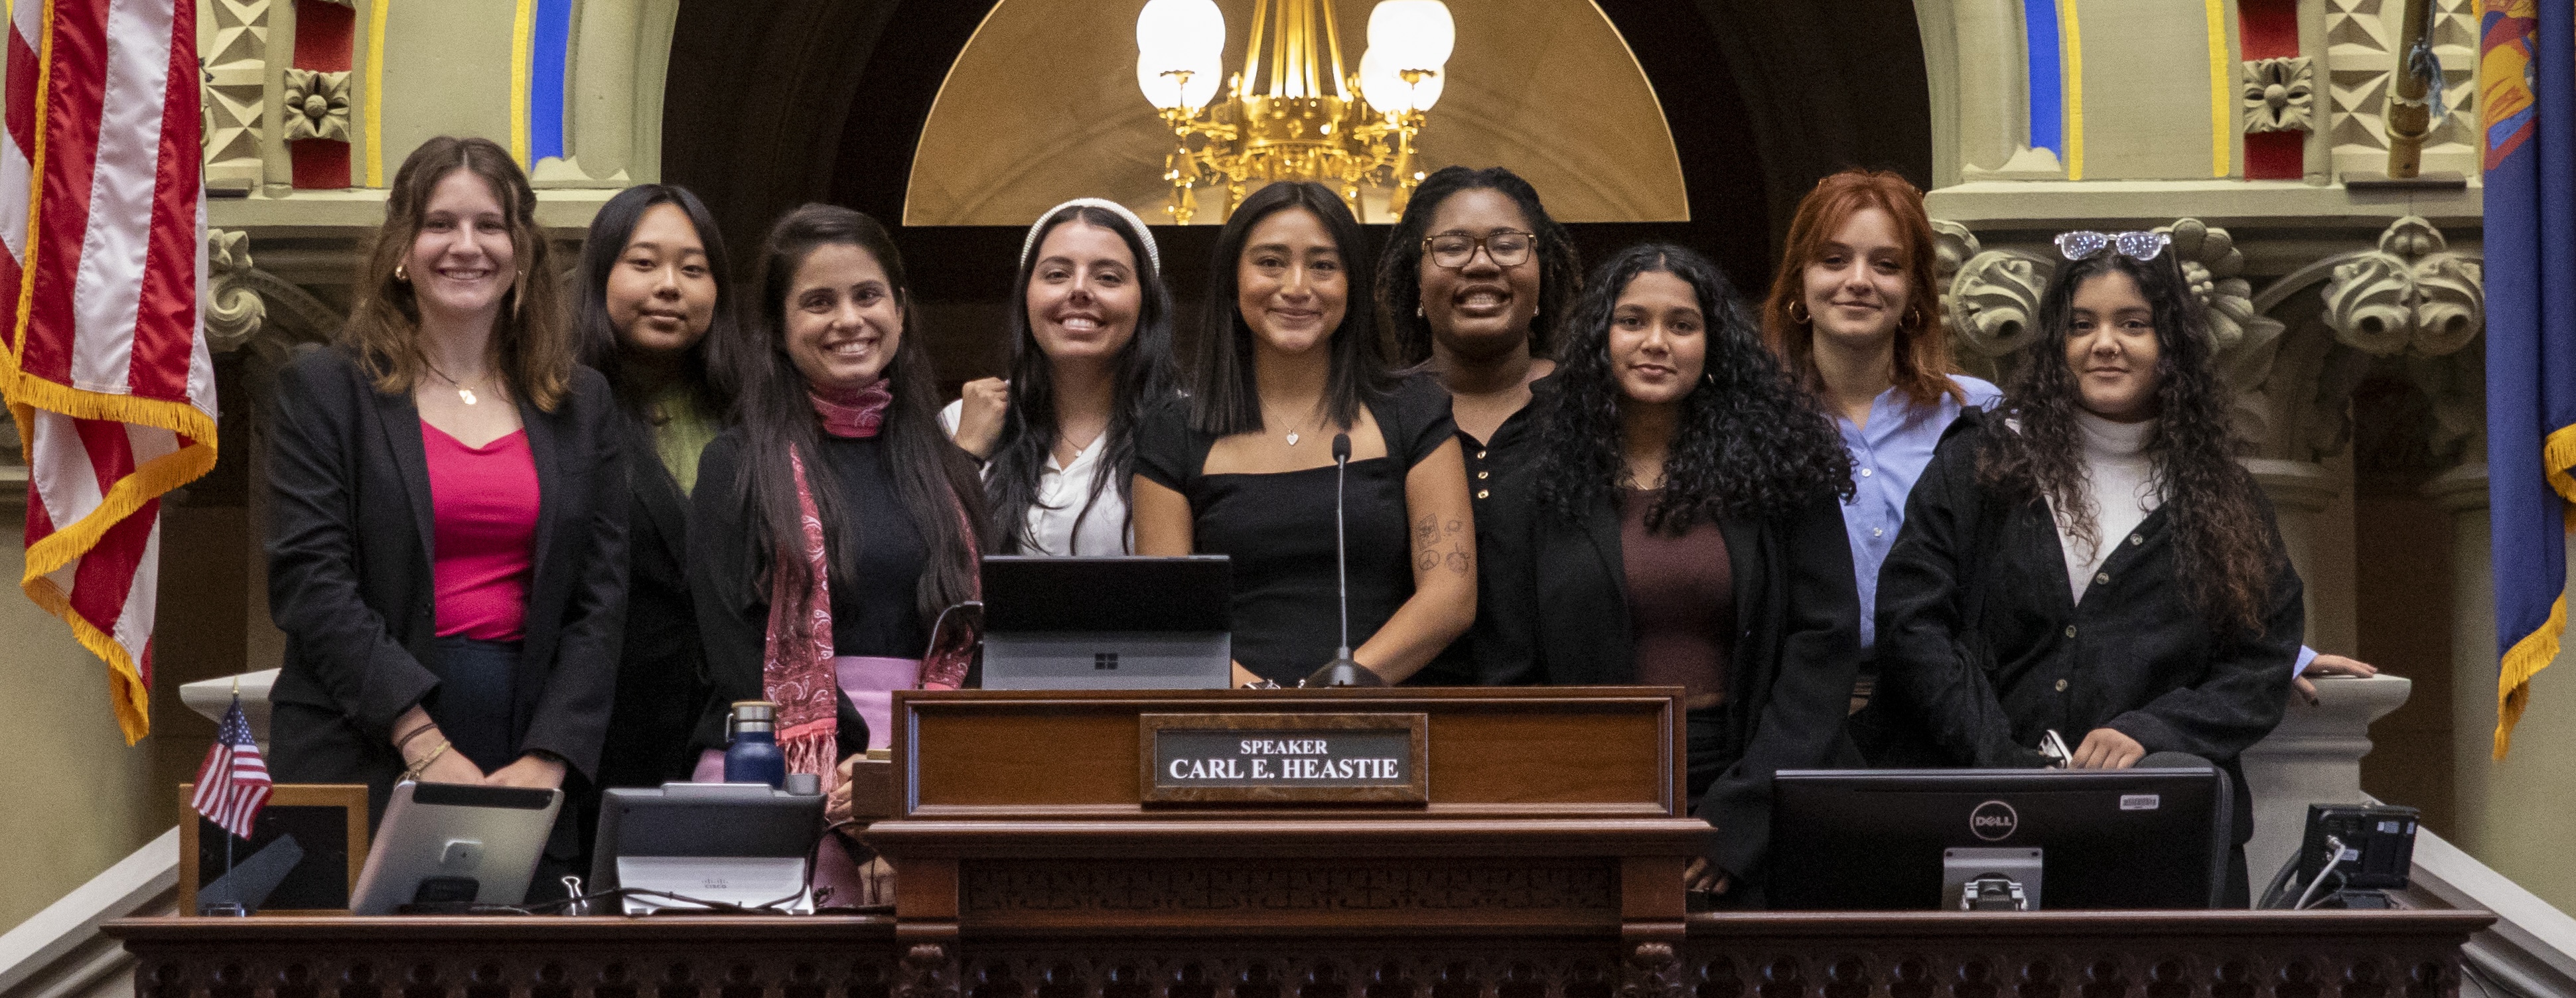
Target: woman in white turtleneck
2098,565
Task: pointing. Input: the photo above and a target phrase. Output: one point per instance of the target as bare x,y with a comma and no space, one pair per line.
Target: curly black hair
1399,271
2229,554
1751,444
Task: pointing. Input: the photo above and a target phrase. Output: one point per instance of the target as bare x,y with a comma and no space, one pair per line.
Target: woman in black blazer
655,294
400,662
1679,525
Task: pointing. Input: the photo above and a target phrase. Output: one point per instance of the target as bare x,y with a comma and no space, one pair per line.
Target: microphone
1342,670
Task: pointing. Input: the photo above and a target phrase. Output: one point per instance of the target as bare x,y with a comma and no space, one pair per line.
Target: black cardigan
350,580
661,681
1558,614
2135,655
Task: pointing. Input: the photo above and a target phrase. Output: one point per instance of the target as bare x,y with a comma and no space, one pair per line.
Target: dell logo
1993,821
1104,660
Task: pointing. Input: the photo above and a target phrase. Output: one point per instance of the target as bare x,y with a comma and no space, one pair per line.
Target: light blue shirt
1888,456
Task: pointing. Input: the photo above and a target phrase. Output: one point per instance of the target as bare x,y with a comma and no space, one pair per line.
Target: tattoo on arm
1449,544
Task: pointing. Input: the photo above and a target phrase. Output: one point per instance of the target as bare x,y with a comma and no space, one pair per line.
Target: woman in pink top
447,533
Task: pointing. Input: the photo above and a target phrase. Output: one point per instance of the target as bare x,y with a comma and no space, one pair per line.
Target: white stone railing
61,954
2314,757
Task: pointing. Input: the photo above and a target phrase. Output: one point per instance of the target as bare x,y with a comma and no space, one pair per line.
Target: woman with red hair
1856,315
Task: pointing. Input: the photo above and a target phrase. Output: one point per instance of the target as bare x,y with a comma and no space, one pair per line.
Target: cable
2334,858
2273,895
2329,895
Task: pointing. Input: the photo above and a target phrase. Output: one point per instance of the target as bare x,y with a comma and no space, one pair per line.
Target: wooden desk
1545,863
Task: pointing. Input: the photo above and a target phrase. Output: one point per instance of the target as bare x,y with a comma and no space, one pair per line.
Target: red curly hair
1923,363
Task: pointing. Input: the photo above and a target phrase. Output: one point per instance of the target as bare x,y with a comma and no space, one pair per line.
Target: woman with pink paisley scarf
829,528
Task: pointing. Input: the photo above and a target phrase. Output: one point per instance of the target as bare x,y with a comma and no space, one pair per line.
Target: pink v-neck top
484,505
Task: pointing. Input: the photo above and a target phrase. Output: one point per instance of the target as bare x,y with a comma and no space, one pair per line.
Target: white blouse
1062,494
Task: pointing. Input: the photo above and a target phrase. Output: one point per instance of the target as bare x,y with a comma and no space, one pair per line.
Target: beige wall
74,798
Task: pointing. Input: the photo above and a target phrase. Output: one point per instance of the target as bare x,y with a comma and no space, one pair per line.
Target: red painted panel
323,34
2268,156
320,164
2266,29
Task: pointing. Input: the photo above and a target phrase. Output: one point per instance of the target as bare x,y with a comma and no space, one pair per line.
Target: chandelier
1292,112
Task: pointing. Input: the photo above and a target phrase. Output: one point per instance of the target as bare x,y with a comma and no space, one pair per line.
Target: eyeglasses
1507,247
2085,244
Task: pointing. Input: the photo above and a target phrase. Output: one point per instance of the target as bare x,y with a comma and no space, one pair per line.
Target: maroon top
483,503
1681,600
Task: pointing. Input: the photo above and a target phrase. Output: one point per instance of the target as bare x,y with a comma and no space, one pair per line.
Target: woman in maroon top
1679,525
447,534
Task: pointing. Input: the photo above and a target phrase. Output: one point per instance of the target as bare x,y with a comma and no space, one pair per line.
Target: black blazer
1558,614
350,582
1980,636
661,680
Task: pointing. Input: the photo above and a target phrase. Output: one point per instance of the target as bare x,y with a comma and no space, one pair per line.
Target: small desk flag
233,784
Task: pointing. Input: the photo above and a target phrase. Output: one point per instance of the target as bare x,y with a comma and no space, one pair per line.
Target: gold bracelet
422,766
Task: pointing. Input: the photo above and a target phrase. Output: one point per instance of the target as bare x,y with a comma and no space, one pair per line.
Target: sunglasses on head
2085,244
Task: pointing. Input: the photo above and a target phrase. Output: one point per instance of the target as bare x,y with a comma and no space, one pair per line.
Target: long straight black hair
935,482
596,336
1224,396
1145,376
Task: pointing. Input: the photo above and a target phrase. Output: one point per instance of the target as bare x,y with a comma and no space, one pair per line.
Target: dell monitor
2055,839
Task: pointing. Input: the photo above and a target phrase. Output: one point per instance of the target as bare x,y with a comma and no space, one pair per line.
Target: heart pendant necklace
1292,438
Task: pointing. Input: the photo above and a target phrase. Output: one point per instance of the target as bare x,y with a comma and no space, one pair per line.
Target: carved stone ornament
1994,299
2280,94
2411,294
233,312
317,105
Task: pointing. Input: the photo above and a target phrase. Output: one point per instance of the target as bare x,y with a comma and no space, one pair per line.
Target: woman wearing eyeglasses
1471,287
2096,568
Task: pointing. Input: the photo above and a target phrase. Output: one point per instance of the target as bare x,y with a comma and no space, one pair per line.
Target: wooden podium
1393,843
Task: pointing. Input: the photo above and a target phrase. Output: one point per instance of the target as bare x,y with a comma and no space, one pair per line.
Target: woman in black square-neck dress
1286,257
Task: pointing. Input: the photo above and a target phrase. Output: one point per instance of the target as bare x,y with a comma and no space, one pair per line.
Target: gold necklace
463,393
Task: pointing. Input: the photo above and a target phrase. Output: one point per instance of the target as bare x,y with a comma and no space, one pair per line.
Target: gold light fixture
1292,112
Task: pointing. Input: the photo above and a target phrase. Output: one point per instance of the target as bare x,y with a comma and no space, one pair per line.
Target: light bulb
1417,34
1382,82
1163,85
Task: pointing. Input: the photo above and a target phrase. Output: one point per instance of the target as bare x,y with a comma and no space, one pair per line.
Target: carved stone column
2314,757
2301,492
2462,491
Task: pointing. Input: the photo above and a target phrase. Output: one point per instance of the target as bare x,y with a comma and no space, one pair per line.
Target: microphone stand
1342,670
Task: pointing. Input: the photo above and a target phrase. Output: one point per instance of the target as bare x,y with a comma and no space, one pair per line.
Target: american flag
233,784
103,356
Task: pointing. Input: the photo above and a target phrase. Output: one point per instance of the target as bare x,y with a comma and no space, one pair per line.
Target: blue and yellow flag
2527,95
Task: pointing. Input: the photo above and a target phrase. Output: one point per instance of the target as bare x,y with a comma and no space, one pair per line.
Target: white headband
1153,256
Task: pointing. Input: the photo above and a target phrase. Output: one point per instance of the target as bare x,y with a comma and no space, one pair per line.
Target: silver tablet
454,843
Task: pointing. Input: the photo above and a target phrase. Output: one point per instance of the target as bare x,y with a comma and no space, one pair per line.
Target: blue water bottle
751,750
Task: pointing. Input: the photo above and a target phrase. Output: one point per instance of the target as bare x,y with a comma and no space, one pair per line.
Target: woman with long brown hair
448,521
2097,569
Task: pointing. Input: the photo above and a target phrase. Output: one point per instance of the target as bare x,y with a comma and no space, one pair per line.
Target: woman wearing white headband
1091,351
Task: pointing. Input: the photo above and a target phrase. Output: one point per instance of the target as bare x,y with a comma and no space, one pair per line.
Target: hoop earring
400,276
1798,313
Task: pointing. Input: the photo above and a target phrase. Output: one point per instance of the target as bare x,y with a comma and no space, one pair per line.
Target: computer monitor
736,843
455,844
1119,623
1892,840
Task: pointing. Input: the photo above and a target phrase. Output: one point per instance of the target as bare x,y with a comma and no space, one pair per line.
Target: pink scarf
796,669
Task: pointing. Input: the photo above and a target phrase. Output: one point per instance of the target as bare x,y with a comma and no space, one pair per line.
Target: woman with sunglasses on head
2097,569
447,533
1470,289
654,289
1245,466
1091,353
832,523
1682,527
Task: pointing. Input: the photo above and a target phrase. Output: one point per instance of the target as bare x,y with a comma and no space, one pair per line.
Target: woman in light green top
652,299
